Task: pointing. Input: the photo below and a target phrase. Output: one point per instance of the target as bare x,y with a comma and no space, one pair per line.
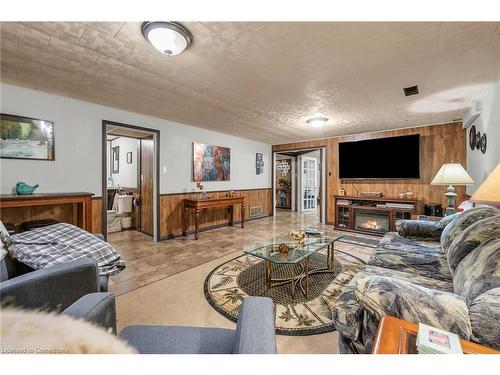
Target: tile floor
149,261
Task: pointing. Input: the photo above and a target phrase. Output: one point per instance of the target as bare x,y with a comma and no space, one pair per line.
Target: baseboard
204,229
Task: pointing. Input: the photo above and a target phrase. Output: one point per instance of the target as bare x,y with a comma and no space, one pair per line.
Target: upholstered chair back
462,222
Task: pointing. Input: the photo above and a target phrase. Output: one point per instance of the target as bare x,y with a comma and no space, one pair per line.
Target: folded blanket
61,243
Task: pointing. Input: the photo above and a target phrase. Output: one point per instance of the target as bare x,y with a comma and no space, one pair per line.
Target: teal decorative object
22,188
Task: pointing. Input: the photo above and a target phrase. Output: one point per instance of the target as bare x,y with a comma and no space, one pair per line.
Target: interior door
147,164
309,184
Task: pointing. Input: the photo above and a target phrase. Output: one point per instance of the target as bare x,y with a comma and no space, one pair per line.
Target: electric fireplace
371,221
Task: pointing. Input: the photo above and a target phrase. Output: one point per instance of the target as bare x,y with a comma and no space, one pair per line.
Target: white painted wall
479,165
127,176
78,147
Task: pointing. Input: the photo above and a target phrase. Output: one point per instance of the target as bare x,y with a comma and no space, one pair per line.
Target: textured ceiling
263,80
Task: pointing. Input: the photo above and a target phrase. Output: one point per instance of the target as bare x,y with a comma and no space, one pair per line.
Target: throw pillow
381,296
462,222
471,238
418,229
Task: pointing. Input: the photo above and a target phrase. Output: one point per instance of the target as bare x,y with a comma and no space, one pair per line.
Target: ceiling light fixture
170,38
317,122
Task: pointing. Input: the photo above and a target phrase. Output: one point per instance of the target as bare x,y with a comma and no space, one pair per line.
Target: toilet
114,221
117,217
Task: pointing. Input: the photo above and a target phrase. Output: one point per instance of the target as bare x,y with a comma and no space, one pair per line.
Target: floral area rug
227,285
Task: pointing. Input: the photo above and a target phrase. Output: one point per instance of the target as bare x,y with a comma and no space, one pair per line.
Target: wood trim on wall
439,144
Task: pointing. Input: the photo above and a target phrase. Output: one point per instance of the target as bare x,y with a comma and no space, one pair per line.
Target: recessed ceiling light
170,38
317,122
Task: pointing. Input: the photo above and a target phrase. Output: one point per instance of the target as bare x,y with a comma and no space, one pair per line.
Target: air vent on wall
255,211
412,90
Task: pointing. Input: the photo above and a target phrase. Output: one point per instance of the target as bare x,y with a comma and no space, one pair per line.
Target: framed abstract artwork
259,163
26,138
211,163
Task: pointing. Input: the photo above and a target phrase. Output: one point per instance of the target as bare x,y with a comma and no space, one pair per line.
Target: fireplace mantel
352,213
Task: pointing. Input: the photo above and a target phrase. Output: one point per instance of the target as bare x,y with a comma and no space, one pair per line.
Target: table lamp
451,174
489,191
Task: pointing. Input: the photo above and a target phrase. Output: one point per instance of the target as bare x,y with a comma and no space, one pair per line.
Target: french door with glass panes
309,183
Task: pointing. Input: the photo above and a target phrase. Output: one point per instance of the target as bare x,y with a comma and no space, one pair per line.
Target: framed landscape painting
26,138
211,163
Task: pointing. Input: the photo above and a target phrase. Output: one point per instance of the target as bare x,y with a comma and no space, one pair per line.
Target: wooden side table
397,336
197,205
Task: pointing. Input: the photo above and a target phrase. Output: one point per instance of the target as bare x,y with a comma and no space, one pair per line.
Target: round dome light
317,122
170,38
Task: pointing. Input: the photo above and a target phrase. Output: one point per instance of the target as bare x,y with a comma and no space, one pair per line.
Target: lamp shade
489,191
452,174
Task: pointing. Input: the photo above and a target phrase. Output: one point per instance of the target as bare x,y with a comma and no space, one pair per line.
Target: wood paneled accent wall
439,144
171,206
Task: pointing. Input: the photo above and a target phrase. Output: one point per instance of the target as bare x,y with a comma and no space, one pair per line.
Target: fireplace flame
372,225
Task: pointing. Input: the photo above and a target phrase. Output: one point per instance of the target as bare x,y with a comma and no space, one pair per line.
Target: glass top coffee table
297,256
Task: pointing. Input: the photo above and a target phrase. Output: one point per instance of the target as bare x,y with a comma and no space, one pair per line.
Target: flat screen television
382,158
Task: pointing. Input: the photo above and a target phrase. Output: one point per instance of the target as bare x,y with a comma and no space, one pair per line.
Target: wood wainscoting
171,209
439,144
97,215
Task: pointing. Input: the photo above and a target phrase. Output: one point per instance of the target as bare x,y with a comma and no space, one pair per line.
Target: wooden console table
397,336
83,201
198,204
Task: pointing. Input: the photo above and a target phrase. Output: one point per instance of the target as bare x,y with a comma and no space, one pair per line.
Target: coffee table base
300,276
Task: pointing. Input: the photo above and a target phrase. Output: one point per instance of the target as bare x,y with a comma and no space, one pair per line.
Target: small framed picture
115,162
259,163
129,157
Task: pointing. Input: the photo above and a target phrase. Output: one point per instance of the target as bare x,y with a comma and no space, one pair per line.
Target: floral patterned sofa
443,274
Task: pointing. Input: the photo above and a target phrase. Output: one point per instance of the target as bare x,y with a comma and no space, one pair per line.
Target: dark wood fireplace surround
345,214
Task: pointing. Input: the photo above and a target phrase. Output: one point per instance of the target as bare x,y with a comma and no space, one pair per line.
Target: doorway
130,179
309,189
299,182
